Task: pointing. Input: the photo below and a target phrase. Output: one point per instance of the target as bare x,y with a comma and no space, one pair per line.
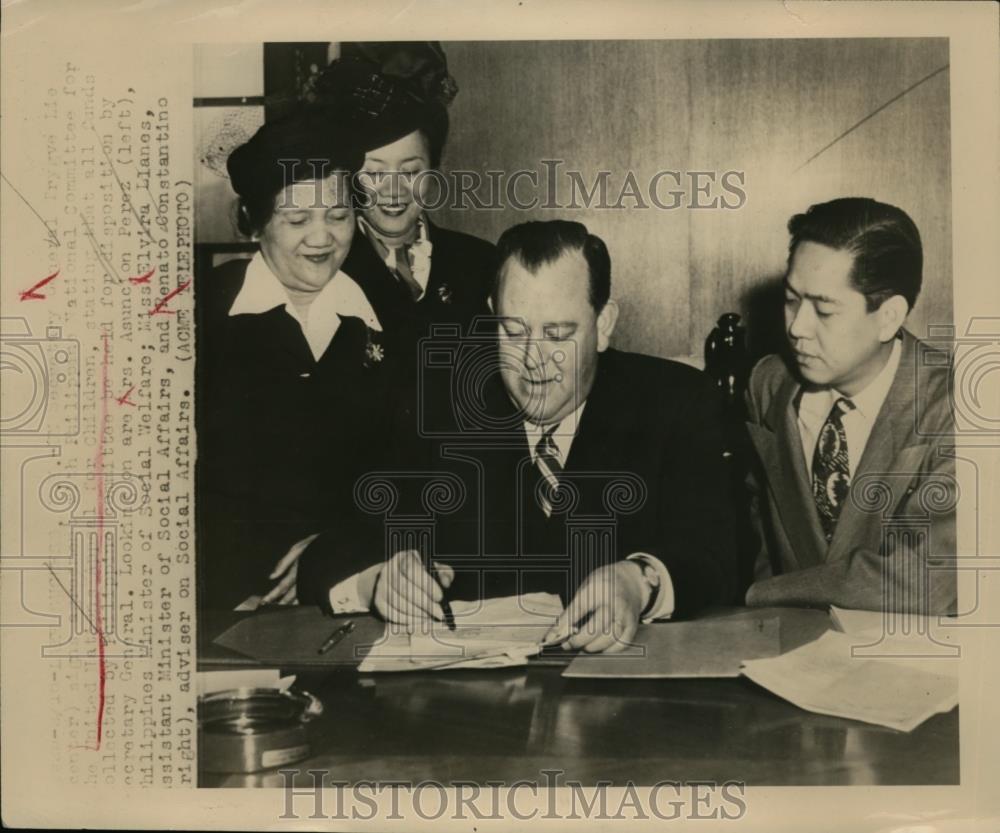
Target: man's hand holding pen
410,590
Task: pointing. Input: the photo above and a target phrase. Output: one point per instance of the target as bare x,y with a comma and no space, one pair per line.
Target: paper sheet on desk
492,633
911,633
703,648
824,677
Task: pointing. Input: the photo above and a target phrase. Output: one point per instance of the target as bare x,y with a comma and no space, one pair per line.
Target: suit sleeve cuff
664,606
345,596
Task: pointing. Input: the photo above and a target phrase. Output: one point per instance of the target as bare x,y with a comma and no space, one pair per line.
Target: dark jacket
281,437
457,292
457,288
645,473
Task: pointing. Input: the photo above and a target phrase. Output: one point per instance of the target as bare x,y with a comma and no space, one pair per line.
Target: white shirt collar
563,436
341,297
815,406
868,402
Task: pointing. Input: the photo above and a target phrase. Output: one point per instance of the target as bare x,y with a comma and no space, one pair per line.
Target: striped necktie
549,462
831,473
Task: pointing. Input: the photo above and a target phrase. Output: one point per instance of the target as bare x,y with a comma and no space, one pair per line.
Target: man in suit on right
854,495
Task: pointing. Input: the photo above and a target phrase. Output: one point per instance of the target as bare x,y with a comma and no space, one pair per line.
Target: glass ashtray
249,729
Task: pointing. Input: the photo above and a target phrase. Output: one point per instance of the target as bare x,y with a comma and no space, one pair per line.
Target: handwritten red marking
31,295
124,400
102,672
143,278
162,303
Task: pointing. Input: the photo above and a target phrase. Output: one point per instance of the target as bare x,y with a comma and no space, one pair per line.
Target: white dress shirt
345,596
341,297
815,407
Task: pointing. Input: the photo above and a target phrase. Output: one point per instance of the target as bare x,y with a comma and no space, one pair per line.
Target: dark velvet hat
303,146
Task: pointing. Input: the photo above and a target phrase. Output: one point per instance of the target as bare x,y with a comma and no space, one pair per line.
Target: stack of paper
828,677
488,634
897,634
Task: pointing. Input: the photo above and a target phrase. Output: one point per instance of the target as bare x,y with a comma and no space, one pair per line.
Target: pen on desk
449,616
336,636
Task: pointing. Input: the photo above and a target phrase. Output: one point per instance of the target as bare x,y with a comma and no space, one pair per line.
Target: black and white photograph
564,407
438,416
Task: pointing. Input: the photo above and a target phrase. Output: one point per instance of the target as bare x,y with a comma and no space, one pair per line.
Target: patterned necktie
412,262
405,272
831,474
549,463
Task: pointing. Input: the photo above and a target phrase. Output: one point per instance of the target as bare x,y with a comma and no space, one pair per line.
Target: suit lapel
439,264
888,437
788,476
600,424
275,334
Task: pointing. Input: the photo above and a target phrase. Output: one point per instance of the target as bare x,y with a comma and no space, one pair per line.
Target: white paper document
825,676
491,633
901,634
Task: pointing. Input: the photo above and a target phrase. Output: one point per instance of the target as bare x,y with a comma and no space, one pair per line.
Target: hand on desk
604,613
405,593
286,570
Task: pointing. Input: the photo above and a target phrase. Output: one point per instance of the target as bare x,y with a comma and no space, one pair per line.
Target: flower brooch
374,352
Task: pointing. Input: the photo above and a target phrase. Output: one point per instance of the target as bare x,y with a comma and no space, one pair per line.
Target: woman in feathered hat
415,272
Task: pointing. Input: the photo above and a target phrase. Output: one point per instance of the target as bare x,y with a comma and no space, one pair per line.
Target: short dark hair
885,243
537,243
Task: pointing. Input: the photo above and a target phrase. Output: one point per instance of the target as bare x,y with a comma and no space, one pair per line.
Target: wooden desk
510,724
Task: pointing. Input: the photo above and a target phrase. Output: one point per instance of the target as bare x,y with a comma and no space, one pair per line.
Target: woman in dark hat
415,272
291,366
